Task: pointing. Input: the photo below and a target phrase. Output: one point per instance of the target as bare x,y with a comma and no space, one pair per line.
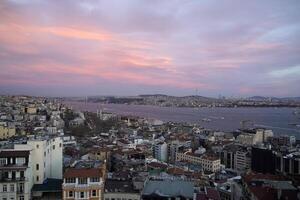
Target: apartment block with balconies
15,174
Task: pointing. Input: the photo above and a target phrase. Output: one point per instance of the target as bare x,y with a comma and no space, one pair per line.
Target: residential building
236,157
84,181
15,174
208,163
7,132
160,151
47,157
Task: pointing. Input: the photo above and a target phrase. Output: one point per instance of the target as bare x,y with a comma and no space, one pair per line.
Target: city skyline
207,48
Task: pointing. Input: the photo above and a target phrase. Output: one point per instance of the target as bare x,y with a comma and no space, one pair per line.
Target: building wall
207,164
26,183
122,196
48,155
7,132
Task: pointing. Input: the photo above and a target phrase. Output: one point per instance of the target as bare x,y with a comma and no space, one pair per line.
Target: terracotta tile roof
82,173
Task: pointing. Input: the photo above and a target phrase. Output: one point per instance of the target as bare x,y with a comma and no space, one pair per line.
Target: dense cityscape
149,100
49,151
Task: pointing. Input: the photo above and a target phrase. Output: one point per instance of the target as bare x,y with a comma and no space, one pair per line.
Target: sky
131,47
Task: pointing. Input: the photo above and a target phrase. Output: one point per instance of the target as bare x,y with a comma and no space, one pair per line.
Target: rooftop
169,188
82,173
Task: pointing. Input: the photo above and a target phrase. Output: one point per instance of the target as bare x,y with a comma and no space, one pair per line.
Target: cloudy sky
129,47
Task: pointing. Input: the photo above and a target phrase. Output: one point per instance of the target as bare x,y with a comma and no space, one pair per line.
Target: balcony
14,166
5,179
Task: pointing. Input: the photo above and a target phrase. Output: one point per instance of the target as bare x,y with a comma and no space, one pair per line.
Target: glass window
4,188
70,193
37,167
22,174
2,161
94,193
70,180
81,194
94,179
82,181
37,178
53,147
37,146
12,188
21,198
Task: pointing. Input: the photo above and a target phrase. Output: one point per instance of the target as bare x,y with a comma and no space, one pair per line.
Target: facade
260,136
288,164
236,157
160,151
83,184
47,157
208,163
7,132
15,175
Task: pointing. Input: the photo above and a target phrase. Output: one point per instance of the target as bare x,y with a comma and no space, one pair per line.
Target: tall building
160,151
47,157
288,164
236,157
15,175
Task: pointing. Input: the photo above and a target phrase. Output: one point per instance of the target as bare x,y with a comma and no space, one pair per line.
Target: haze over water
224,119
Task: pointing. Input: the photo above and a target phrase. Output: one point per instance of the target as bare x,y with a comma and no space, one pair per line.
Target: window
59,144
82,181
37,178
37,167
94,179
20,161
21,174
44,153
4,188
53,147
94,193
12,187
81,194
70,180
21,187
37,146
70,193
21,198
2,161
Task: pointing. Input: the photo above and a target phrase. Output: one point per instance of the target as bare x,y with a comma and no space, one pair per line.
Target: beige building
83,184
7,132
258,137
208,163
31,109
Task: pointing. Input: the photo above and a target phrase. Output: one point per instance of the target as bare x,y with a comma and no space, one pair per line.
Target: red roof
82,173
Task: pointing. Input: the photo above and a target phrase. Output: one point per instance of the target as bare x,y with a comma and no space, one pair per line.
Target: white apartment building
208,163
15,175
160,151
47,157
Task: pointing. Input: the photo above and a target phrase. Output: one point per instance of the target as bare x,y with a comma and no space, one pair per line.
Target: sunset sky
131,47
